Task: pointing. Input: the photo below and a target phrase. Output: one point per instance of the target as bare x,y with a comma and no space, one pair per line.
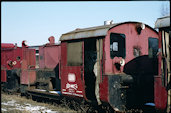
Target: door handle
81,74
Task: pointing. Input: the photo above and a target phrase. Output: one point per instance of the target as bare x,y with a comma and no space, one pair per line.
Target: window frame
121,46
152,55
78,60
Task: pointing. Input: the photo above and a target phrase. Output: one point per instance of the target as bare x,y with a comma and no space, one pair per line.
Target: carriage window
152,47
117,45
74,54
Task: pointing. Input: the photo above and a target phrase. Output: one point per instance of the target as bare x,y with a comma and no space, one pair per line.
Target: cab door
72,68
162,93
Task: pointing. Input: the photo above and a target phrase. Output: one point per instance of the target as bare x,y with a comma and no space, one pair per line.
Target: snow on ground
26,107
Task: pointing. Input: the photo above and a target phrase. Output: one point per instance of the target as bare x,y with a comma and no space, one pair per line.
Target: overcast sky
36,21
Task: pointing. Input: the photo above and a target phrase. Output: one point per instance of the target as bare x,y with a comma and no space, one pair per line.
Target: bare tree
165,9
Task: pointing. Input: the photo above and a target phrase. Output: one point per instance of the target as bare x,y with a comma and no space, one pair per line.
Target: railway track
54,97
78,104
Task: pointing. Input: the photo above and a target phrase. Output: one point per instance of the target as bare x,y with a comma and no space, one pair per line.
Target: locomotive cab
111,64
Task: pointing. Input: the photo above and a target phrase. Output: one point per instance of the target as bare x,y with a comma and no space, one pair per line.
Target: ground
18,104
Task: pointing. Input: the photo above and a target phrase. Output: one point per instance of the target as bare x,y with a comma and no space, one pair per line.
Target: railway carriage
162,81
14,61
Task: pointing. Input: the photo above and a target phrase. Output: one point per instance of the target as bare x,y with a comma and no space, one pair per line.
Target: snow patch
2,109
27,107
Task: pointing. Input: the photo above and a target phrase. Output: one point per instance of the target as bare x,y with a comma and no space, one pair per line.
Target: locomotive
112,65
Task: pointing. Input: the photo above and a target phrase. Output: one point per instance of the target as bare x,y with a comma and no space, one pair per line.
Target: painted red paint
28,74
10,59
132,39
28,77
104,89
11,55
29,56
160,92
49,56
72,83
3,76
7,45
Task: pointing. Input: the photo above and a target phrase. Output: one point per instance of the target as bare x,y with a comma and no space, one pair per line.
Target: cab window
152,47
117,45
74,54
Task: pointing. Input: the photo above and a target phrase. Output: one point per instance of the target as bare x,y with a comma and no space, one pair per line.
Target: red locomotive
112,65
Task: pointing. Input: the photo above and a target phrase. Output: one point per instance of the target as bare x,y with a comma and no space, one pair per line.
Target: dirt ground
18,104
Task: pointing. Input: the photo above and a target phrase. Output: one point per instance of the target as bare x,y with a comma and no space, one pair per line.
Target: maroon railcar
162,81
113,64
21,72
13,62
45,76
49,67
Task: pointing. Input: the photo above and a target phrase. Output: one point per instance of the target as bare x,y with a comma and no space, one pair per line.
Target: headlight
122,62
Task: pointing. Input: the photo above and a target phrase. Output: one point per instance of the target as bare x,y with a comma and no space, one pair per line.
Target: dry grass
13,103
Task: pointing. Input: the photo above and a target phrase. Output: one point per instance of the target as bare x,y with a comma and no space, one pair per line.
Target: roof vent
108,22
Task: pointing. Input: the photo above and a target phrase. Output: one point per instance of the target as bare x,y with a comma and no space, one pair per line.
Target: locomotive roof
163,22
90,32
87,32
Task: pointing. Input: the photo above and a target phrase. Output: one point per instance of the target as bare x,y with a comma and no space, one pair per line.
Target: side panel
28,77
11,55
52,54
160,94
28,74
30,56
71,76
10,59
49,56
104,89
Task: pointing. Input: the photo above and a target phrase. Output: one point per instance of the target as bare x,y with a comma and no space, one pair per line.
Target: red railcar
13,62
162,81
49,66
46,75
19,71
113,64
